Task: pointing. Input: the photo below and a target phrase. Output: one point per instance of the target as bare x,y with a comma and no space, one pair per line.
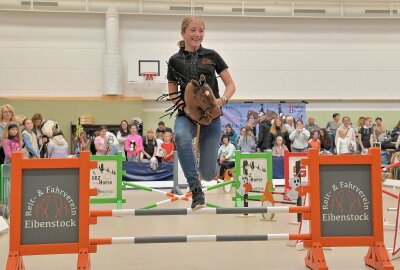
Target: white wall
60,54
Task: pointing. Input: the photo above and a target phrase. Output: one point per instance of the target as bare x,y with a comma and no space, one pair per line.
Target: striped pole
197,238
189,211
391,166
390,194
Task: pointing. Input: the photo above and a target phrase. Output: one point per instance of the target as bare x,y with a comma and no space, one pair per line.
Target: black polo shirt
185,66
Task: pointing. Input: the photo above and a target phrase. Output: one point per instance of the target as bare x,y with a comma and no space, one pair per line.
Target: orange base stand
315,258
15,262
83,260
378,258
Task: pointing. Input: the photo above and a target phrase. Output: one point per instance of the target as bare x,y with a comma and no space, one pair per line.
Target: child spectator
81,143
11,140
279,147
225,155
326,140
57,146
168,146
314,142
133,144
30,147
344,144
366,136
100,142
149,146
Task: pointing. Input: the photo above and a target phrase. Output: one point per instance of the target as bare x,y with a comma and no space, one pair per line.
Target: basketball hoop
149,76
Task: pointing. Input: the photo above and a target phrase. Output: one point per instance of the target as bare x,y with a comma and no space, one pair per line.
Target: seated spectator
366,136
326,140
168,146
11,140
230,132
314,142
225,156
279,148
162,128
379,129
246,143
57,146
395,132
149,146
290,127
311,126
277,129
299,138
133,144
263,130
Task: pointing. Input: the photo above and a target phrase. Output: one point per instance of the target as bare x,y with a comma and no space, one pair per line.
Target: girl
246,143
225,156
122,135
30,143
133,144
37,121
149,146
188,63
11,140
100,142
168,146
314,142
326,140
366,136
57,146
81,143
343,143
7,114
279,148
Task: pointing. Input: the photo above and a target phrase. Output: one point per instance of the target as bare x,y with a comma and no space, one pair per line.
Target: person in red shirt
168,146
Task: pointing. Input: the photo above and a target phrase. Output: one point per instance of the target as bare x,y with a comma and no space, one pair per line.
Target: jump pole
189,211
197,238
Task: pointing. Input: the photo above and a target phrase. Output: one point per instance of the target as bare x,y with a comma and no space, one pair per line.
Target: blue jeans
210,136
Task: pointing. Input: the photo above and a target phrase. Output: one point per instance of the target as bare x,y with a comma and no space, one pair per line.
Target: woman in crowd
395,132
246,143
225,156
230,132
277,129
299,138
122,134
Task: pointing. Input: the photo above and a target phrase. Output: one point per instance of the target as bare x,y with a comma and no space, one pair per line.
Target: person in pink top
133,144
11,140
100,143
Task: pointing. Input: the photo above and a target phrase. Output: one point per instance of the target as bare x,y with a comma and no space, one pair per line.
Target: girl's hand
220,102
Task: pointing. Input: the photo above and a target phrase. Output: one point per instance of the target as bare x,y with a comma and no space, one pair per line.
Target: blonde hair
273,127
185,23
10,108
6,132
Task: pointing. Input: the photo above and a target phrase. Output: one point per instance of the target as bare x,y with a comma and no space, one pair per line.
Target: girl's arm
7,149
230,87
120,138
29,146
